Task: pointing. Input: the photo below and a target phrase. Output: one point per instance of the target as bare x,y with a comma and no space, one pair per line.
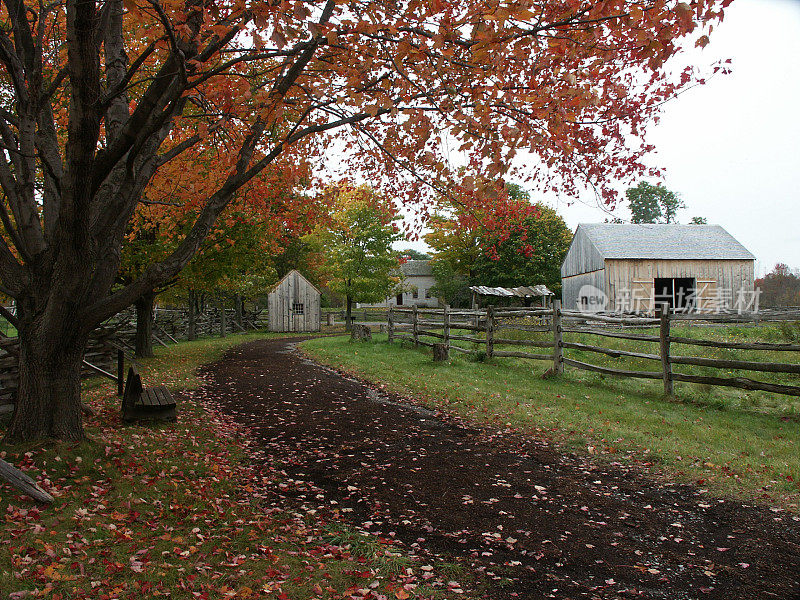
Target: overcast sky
731,148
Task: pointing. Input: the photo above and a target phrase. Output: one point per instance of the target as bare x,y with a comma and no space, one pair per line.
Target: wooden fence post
489,331
390,324
558,339
415,326
662,312
446,340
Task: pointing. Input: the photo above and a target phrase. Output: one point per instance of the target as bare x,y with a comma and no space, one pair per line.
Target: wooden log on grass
23,483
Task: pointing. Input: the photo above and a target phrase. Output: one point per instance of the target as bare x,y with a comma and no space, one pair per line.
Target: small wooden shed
294,304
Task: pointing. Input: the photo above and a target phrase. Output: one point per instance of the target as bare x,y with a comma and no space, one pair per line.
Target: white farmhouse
415,288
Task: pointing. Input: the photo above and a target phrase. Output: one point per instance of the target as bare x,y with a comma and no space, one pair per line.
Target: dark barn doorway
678,292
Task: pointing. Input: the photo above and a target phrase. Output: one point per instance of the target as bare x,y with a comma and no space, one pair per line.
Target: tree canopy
360,263
515,243
105,97
531,256
653,203
413,254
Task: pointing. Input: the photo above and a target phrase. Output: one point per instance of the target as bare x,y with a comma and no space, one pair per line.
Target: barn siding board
570,286
291,290
582,256
639,274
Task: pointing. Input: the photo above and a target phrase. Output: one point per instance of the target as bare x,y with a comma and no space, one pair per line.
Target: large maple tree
99,96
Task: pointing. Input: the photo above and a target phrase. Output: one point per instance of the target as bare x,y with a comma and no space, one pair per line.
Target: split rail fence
172,325
487,329
108,344
101,358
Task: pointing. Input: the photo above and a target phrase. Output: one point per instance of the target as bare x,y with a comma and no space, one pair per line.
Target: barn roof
418,268
666,242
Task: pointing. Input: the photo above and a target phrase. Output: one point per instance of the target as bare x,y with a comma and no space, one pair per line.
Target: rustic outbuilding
294,304
617,267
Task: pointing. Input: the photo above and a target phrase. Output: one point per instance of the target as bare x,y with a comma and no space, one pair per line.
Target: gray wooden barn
294,304
630,267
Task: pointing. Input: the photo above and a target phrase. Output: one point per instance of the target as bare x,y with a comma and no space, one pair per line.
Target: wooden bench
146,404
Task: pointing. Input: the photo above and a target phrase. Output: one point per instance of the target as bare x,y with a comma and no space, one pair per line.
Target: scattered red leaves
176,510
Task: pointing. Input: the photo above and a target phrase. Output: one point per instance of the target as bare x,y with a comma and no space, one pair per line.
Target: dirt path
557,525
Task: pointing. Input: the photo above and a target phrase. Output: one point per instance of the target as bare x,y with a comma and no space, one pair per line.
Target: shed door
291,303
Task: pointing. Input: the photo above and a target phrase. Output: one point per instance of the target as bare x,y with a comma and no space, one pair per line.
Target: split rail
487,329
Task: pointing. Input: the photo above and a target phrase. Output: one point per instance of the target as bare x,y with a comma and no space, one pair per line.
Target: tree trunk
238,307
191,334
48,400
223,325
348,317
144,325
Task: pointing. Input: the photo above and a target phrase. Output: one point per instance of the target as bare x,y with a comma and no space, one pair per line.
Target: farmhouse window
298,308
415,294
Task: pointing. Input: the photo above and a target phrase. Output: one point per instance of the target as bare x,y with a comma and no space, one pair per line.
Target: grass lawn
178,510
730,441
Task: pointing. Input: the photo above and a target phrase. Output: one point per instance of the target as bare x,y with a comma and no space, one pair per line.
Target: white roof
415,268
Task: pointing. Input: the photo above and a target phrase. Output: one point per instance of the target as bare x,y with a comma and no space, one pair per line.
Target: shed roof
418,268
525,291
275,286
666,242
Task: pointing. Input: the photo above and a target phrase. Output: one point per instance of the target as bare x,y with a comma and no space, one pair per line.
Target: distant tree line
779,288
